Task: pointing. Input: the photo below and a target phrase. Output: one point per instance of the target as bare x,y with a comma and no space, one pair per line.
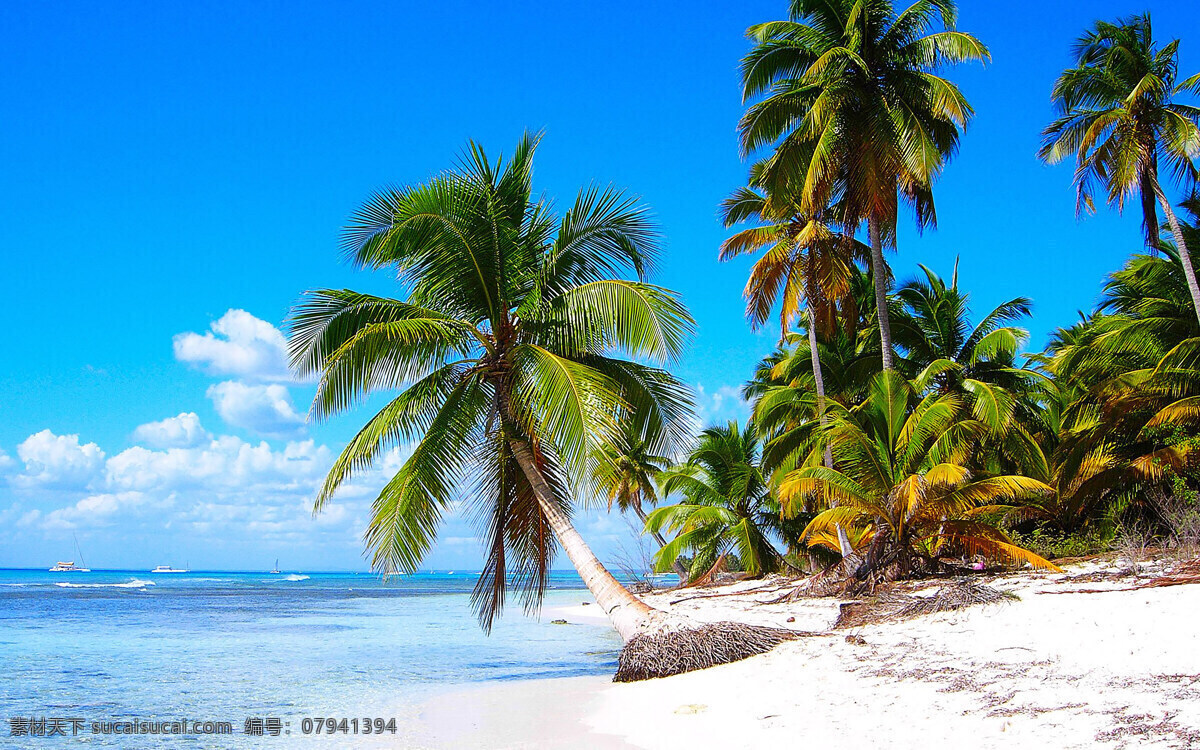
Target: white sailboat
276,568
69,566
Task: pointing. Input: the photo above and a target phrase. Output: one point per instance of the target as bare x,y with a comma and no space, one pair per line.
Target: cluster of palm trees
891,431
901,430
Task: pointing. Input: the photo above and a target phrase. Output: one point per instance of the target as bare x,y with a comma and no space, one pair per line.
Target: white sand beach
1074,662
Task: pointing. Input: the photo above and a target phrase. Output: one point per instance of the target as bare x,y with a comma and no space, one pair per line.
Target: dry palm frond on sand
663,654
893,606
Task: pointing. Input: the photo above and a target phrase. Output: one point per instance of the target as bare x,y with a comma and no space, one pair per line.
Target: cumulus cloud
228,487
58,461
183,431
227,463
91,512
265,410
240,345
721,405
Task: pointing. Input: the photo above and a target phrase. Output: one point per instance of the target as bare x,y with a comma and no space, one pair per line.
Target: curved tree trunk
657,643
626,612
1189,271
879,272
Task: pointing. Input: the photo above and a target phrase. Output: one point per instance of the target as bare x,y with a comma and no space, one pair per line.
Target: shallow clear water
230,646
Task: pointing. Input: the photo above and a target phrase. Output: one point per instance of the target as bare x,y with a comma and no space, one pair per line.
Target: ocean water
227,647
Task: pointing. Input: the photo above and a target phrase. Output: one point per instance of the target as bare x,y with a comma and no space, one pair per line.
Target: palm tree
854,108
906,486
626,475
933,326
1130,418
806,262
1118,118
727,506
1144,314
506,349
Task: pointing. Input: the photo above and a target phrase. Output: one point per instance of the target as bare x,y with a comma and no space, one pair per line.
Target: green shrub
1052,545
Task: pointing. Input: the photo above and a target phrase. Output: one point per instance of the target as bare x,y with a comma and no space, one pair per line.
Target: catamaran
70,566
276,568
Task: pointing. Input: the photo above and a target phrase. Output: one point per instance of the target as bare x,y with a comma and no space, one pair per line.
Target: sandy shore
1072,663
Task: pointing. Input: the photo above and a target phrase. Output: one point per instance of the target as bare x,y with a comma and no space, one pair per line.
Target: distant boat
276,568
168,569
70,566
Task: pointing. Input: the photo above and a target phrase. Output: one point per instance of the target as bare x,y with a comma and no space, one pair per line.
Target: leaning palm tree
507,349
853,106
906,486
1120,121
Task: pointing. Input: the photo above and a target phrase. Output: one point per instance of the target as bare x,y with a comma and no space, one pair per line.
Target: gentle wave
295,578
134,584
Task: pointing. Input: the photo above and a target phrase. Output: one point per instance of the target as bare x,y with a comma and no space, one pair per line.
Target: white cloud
227,463
91,512
183,431
721,405
58,461
265,410
228,488
239,344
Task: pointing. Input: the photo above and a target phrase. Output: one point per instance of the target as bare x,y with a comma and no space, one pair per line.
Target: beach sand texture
1117,669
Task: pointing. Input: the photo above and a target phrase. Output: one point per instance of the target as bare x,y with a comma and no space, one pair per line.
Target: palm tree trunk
819,377
1189,271
676,566
626,612
879,272
657,643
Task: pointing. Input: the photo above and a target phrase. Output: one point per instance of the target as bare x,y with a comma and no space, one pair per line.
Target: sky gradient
175,175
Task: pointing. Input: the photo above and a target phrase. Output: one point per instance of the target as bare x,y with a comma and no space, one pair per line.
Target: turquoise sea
130,646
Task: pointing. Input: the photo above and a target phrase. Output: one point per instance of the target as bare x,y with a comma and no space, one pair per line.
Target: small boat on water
168,569
69,567
276,568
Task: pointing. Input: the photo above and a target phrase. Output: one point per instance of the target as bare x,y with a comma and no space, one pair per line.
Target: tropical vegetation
893,431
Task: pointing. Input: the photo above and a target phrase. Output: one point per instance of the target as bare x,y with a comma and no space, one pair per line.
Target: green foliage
726,507
519,336
1057,545
902,483
1118,117
850,97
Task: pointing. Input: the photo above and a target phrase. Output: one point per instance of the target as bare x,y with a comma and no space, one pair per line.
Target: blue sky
175,175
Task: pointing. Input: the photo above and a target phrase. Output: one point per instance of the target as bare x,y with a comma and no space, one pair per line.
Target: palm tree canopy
626,473
1118,117
852,100
806,261
904,469
727,505
946,352
518,329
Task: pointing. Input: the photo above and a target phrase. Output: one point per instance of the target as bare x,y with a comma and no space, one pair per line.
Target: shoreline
1075,661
